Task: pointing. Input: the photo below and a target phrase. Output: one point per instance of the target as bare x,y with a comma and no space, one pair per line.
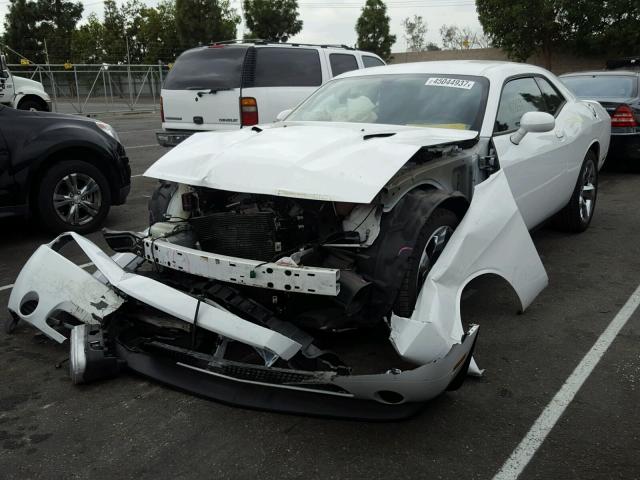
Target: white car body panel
322,161
16,88
492,238
48,274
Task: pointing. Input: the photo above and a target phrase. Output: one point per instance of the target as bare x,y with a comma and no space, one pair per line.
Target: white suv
226,86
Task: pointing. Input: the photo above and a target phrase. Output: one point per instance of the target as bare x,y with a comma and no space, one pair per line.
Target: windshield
602,86
218,67
426,100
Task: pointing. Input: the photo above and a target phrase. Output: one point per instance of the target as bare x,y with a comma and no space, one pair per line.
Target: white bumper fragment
491,238
58,284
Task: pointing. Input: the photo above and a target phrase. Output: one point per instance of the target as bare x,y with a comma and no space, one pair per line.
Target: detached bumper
50,284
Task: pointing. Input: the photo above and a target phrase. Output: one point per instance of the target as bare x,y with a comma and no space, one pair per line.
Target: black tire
92,208
573,217
414,278
29,104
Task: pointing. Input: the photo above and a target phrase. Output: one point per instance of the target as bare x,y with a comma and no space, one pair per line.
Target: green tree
57,21
87,42
20,31
373,29
275,20
158,34
114,41
523,27
204,21
414,31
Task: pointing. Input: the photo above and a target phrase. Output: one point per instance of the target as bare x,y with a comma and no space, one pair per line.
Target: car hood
342,162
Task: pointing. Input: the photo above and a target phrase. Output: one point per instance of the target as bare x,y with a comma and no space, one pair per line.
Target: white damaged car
316,265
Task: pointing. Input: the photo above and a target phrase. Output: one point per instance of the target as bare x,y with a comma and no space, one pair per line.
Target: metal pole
75,75
104,84
129,74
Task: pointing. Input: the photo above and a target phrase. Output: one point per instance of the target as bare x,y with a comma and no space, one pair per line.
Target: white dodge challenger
315,265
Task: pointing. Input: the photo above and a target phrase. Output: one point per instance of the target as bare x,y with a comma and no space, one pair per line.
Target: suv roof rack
260,41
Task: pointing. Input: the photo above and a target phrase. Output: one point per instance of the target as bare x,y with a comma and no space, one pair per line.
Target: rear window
287,67
602,86
341,62
207,68
371,61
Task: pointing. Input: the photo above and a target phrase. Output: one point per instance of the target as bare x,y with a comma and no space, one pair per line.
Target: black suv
65,170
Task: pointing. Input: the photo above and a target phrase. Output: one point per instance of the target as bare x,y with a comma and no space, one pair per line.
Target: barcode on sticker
450,82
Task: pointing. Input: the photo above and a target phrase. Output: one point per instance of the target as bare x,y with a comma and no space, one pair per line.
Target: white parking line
10,286
141,146
527,448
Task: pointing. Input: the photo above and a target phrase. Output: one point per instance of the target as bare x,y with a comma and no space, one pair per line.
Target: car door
536,167
202,90
284,76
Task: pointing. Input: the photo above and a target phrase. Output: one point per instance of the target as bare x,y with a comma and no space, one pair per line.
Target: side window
287,67
552,97
342,62
370,61
518,97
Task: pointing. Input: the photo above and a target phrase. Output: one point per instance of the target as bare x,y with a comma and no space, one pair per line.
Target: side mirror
533,122
283,114
4,72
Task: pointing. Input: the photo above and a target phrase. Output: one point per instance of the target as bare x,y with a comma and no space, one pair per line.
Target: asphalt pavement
130,427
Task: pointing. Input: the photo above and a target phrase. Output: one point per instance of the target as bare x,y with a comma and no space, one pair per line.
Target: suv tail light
623,117
161,111
248,111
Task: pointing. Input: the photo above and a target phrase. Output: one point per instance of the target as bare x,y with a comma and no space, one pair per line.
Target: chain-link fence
87,89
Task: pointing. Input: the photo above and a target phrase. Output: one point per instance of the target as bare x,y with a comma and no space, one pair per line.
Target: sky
333,21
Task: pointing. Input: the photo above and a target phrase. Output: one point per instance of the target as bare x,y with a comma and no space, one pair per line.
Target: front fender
491,238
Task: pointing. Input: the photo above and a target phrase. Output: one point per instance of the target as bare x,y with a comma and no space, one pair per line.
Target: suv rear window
342,62
207,68
287,67
602,86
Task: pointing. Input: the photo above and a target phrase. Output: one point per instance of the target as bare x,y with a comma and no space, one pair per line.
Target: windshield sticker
450,82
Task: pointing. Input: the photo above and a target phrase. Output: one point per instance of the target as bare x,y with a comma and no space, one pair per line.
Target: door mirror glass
533,122
283,114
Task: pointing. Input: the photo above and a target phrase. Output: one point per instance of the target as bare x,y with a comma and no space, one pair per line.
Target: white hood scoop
333,161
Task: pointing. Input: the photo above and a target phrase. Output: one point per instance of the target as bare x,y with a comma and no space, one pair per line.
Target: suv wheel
73,196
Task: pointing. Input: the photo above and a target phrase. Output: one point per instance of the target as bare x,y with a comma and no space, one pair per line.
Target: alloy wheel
77,199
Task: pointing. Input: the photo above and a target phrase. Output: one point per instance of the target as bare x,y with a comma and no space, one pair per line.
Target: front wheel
31,105
73,196
433,237
577,214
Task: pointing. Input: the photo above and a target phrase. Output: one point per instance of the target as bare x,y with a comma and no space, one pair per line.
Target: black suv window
552,97
369,61
518,97
208,67
287,67
341,62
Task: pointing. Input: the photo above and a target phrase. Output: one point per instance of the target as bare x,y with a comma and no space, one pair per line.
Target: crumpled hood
326,161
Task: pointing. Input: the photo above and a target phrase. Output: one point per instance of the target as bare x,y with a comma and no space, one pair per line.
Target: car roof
596,73
493,70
